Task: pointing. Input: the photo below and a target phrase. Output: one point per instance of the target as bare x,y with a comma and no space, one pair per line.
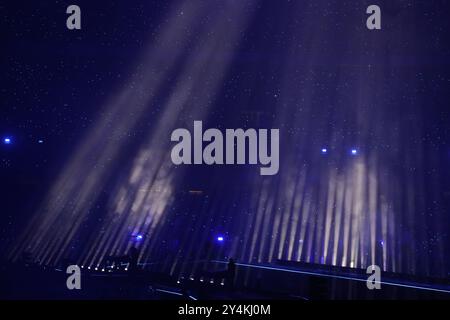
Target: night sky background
89,114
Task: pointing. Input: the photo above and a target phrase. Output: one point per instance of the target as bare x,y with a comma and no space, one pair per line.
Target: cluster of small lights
103,270
201,279
9,140
353,151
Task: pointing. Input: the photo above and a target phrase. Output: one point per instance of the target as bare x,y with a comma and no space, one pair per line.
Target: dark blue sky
310,68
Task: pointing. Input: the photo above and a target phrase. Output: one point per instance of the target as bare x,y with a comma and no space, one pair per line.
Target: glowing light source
7,140
220,238
139,237
324,150
354,152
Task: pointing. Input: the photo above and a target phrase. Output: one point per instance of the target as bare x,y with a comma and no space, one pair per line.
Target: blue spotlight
324,150
220,238
139,237
40,141
7,140
354,152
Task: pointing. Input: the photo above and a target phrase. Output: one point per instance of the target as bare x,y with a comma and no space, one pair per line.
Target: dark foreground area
280,281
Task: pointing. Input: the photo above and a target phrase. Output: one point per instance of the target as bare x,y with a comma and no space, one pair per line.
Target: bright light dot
324,150
139,237
220,238
7,140
40,141
354,152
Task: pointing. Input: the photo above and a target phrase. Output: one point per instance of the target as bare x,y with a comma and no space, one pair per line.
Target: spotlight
7,140
354,152
40,141
220,238
324,150
138,237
